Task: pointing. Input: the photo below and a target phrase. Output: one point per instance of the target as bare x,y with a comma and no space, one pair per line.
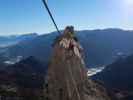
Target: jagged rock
67,78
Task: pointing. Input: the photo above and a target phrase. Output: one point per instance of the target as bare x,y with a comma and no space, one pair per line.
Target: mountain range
101,47
28,72
119,77
25,78
24,64
6,41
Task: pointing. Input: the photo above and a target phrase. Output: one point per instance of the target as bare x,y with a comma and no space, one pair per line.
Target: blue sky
26,16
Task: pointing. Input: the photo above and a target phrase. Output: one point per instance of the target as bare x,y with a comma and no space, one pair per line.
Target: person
70,41
69,32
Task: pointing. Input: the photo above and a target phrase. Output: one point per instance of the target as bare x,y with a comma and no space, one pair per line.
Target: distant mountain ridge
27,73
118,75
24,79
14,39
101,47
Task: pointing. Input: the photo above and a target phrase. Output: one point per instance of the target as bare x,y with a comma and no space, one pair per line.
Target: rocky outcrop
67,78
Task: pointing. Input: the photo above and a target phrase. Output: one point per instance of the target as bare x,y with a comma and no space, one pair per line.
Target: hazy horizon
43,33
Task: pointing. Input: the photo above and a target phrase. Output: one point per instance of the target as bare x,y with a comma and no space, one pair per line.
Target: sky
28,16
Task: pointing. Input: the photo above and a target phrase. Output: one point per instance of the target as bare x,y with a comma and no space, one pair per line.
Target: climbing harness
50,14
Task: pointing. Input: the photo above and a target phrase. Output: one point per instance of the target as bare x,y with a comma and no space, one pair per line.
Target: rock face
67,78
